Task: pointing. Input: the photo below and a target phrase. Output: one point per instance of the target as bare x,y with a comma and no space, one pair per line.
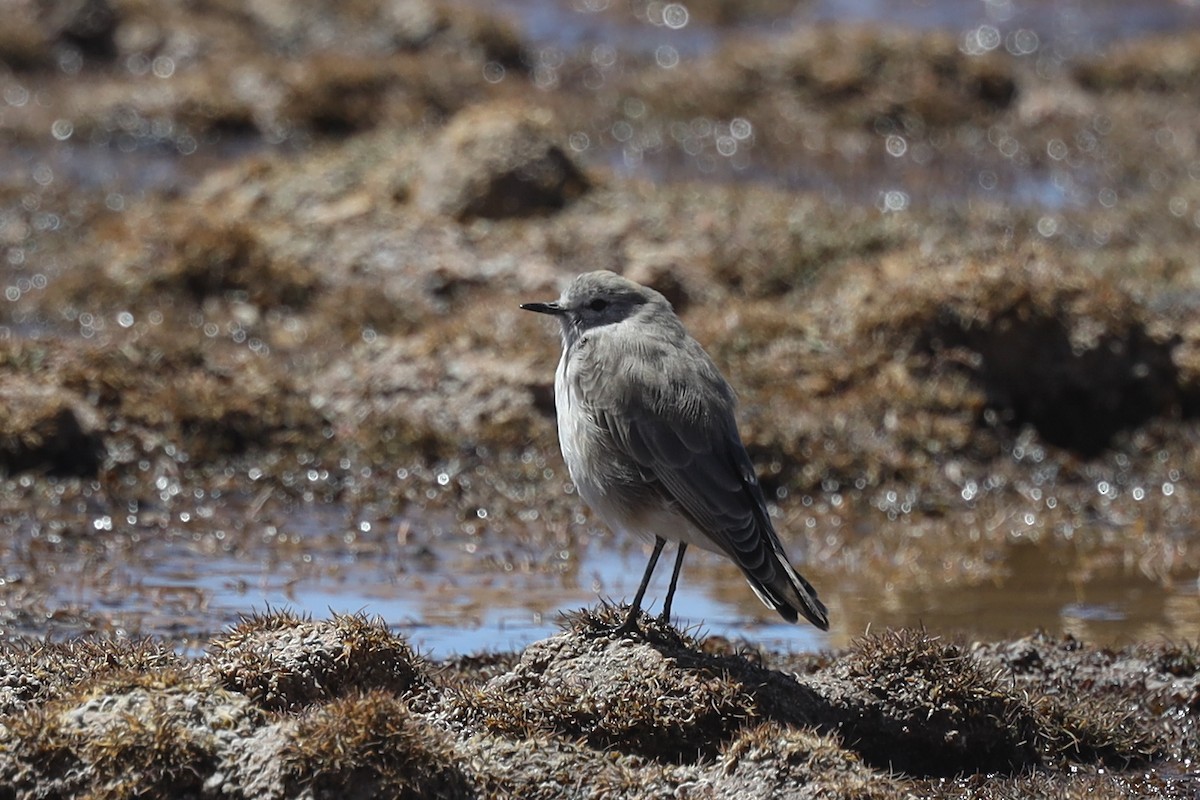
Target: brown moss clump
1061,350
474,670
369,745
127,735
497,161
436,395
226,409
847,78
1095,704
1080,784
33,35
474,35
284,662
892,370
913,702
910,701
549,768
1180,659
769,759
1082,727
35,672
336,94
229,259
1166,64
658,695
24,44
209,400
47,428
872,73
772,245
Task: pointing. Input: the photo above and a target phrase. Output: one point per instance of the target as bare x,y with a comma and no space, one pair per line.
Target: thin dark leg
666,612
630,624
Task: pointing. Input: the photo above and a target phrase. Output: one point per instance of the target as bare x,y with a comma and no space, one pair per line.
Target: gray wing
665,405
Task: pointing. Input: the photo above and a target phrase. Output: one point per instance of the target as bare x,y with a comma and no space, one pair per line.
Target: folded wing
674,418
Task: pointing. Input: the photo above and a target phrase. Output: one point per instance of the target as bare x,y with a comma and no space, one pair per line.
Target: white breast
572,436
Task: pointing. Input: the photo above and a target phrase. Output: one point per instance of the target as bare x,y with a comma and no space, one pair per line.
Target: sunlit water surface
448,599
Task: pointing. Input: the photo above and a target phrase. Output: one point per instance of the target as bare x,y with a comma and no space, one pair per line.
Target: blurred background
261,262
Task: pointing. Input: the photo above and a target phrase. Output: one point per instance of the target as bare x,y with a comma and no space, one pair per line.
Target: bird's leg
666,612
630,624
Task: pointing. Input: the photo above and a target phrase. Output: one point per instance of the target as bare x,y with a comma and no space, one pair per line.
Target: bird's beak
544,308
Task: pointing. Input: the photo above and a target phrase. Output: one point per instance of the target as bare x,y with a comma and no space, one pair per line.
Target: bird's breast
577,431
605,477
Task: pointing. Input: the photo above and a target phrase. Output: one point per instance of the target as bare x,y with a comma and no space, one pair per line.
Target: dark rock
498,161
86,24
48,429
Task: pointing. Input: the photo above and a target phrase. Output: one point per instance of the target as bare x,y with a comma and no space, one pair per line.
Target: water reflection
1019,27
1077,25
449,600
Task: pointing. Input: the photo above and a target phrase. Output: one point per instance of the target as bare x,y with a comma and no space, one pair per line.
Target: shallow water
1077,25
450,600
1080,25
1050,33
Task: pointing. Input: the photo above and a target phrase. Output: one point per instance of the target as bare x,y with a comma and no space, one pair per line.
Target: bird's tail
789,594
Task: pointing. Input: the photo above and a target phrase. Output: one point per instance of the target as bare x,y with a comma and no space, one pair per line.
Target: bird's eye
598,304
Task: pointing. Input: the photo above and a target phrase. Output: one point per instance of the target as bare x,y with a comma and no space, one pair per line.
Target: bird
647,429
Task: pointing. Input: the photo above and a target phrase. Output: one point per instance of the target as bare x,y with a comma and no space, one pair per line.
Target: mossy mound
157,733
1051,346
499,161
360,746
35,672
286,662
925,707
342,708
658,696
47,428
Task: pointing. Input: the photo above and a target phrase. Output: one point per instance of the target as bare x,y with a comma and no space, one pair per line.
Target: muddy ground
257,259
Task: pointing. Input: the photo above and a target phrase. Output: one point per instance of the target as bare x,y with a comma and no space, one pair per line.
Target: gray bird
646,426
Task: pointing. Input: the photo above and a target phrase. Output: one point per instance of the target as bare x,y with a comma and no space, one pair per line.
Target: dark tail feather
810,605
776,583
791,596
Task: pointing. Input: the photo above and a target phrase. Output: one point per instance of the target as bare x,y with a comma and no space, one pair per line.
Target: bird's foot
629,629
638,625
613,622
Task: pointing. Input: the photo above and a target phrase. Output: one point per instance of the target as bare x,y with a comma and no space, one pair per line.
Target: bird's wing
667,407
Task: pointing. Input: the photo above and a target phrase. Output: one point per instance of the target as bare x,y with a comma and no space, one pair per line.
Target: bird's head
595,299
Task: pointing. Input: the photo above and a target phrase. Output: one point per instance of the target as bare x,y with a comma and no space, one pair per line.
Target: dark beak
543,308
